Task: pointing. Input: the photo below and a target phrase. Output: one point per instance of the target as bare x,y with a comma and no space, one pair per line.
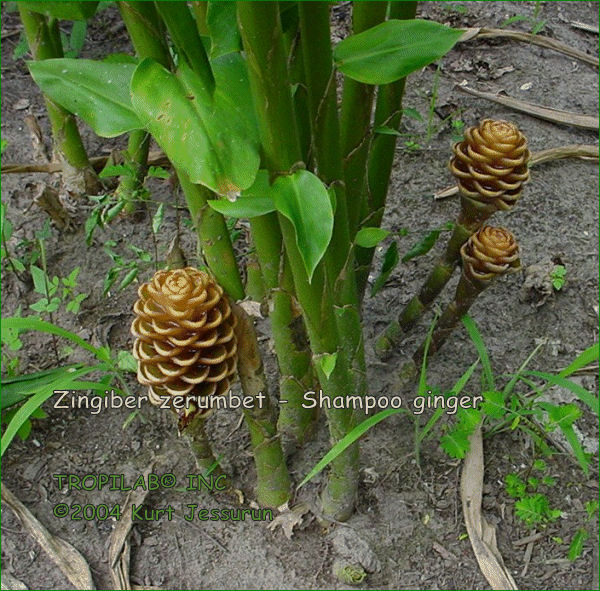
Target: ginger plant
247,113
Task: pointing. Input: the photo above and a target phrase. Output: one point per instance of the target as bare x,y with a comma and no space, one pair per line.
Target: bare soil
408,522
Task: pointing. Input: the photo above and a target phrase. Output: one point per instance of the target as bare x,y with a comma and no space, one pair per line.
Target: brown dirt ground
406,513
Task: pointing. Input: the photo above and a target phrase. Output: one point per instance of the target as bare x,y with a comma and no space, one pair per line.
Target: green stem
262,38
255,284
355,118
273,481
147,34
200,446
467,291
44,42
470,219
213,237
388,112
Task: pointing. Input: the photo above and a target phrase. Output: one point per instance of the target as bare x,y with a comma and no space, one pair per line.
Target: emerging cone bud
489,252
185,341
490,164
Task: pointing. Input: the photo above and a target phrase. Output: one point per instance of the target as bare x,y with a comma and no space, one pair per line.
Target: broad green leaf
393,49
221,20
97,92
199,132
129,277
253,202
390,260
370,237
304,200
72,11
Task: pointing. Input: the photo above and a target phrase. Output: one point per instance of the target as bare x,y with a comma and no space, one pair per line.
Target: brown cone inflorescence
490,164
489,252
185,341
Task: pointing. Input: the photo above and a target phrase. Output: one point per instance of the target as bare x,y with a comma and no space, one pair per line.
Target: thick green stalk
470,219
182,28
262,38
44,42
467,291
200,445
388,112
339,259
355,118
273,481
147,34
255,284
289,336
214,241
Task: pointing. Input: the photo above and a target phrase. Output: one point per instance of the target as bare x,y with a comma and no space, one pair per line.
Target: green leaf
18,388
585,358
370,237
126,361
97,92
455,443
423,246
77,39
39,325
576,546
90,225
348,440
385,130
475,335
158,172
111,170
157,220
493,405
412,114
390,260
327,363
539,465
304,200
71,11
393,49
39,280
221,20
579,391
514,485
243,207
213,142
65,382
133,273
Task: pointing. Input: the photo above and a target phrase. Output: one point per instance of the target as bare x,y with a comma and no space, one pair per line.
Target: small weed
558,277
535,22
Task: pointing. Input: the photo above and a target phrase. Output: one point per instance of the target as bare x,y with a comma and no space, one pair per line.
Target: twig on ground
484,33
554,115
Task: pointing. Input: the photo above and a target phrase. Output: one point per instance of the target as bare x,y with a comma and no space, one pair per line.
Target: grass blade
348,440
475,335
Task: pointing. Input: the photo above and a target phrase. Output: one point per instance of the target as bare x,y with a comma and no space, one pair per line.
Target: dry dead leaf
9,582
481,535
289,519
67,558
